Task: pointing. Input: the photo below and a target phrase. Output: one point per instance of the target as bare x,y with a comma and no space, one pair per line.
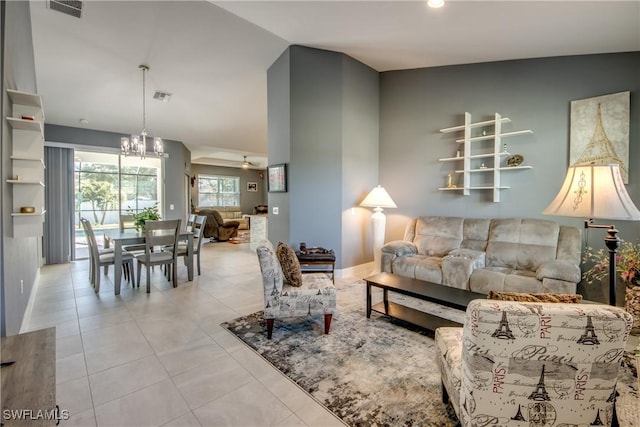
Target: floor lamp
596,191
378,198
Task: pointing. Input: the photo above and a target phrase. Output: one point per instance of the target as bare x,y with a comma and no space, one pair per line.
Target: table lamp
596,191
378,198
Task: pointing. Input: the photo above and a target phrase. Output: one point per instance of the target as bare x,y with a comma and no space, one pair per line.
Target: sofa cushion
290,265
419,267
504,279
437,236
536,297
475,234
521,244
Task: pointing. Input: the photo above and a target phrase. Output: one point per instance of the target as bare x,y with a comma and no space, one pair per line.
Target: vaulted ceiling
213,56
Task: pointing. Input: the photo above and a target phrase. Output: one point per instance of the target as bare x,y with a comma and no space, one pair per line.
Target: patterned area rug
368,372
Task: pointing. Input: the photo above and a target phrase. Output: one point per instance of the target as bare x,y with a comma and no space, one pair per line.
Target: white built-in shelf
25,182
29,159
505,168
502,135
27,154
25,98
496,157
22,124
476,125
481,187
40,213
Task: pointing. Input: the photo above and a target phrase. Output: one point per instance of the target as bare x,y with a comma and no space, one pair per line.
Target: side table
310,263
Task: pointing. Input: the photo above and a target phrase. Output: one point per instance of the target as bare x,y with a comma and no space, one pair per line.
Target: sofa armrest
559,270
400,248
458,266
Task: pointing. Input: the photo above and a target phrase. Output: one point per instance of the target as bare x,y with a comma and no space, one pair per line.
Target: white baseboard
359,271
24,325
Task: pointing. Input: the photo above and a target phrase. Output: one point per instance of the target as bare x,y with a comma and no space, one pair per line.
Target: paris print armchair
535,364
317,295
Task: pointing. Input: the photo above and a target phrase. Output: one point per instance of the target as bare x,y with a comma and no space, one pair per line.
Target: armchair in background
216,228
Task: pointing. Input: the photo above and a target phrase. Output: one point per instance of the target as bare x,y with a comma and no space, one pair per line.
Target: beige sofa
482,255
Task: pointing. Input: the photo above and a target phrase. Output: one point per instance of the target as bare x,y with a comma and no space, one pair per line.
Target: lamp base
378,225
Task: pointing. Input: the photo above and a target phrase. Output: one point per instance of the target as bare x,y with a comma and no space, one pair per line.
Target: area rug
368,372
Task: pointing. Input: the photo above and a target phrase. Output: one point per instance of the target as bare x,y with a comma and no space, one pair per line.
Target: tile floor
162,359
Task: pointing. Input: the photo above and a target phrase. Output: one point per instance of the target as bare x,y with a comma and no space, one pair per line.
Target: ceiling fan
245,163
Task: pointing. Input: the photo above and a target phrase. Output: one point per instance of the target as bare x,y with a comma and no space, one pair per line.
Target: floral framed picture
252,187
277,178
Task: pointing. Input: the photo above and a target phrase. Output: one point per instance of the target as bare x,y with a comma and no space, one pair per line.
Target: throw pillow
290,264
541,297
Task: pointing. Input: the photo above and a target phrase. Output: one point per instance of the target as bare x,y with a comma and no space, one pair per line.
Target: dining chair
198,233
104,259
159,234
127,223
191,219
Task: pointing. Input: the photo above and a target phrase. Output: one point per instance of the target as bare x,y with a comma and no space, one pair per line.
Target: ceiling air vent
162,96
68,7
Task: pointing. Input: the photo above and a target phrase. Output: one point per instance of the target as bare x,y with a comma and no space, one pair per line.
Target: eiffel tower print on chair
600,132
589,336
503,331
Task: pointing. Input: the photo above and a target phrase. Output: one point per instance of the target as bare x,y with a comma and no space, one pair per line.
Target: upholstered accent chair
317,295
536,364
216,227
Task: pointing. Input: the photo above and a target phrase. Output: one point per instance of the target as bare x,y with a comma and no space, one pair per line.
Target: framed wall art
600,131
252,187
277,178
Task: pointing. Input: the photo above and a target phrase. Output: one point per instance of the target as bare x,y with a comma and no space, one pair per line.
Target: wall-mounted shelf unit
471,155
27,153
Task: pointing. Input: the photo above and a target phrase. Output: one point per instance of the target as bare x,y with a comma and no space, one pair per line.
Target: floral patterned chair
533,364
317,295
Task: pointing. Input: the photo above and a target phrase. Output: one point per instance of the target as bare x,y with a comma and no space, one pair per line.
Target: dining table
122,238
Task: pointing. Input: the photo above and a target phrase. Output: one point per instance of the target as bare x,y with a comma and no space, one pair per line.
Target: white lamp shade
378,198
594,191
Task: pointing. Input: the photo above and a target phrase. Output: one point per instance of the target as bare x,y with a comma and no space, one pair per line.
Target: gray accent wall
177,164
536,94
19,257
323,122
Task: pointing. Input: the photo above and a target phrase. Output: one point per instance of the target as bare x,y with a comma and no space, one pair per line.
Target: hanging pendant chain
144,102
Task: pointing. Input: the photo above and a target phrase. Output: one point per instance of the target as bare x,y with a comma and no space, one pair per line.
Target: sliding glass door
109,185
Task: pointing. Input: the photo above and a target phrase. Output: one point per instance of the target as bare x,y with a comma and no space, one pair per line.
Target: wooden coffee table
426,291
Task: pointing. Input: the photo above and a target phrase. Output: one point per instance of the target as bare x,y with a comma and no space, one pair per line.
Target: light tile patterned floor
161,359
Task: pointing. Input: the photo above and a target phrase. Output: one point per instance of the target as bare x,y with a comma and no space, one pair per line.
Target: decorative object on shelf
515,160
627,267
600,131
17,177
25,117
596,191
504,148
146,214
138,143
277,182
449,183
484,133
458,153
27,209
483,166
378,198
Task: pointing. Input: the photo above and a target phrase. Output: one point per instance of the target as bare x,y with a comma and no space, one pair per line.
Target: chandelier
138,143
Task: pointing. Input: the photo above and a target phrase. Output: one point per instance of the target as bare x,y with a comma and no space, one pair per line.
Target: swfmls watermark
56,414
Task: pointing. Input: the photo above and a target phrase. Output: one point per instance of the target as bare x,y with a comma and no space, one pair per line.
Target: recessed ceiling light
84,121
435,3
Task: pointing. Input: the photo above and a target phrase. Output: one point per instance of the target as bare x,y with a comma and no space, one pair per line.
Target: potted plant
146,214
628,269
